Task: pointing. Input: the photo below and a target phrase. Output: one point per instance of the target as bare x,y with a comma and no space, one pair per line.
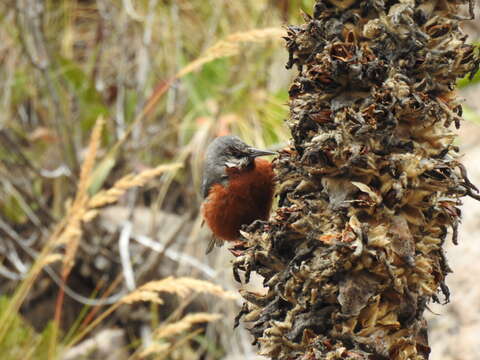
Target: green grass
22,342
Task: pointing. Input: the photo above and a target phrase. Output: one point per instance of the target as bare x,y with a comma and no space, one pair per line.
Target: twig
175,255
123,245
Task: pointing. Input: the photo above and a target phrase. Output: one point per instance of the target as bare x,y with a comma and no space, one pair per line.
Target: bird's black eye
236,153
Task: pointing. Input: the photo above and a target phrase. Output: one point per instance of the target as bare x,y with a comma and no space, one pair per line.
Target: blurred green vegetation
22,342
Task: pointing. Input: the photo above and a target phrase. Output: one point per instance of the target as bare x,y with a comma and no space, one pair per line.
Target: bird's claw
238,248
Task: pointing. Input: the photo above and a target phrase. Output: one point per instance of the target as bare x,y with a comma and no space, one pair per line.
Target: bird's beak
253,153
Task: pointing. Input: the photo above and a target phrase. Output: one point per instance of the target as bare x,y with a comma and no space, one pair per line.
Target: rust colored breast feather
247,197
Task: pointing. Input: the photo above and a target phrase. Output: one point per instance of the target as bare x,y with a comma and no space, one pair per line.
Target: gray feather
218,153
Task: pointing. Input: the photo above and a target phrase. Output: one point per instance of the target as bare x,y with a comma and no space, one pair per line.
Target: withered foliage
370,187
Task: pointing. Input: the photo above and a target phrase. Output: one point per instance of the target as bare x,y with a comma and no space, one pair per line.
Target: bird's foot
238,248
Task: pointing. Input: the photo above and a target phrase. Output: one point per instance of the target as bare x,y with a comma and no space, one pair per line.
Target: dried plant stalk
370,186
171,333
184,324
73,232
182,287
109,196
231,46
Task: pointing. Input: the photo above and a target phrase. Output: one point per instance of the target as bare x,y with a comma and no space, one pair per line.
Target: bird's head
224,155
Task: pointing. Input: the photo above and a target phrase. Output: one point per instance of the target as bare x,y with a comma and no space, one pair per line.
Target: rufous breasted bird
237,188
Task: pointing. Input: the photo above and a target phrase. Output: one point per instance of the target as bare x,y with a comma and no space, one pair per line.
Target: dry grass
70,237
109,196
181,287
149,292
174,329
184,324
231,46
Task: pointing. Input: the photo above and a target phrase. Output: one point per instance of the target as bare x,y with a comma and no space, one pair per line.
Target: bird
237,188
